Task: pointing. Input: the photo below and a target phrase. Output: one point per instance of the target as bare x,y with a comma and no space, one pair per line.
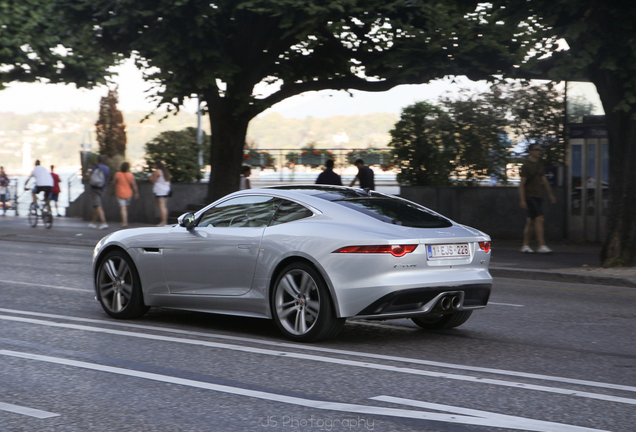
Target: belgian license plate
457,250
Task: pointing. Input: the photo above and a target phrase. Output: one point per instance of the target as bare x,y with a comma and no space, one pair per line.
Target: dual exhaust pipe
450,302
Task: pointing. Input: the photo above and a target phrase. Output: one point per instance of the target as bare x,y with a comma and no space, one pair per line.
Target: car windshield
395,211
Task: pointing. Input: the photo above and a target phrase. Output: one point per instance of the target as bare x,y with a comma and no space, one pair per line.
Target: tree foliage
110,130
179,151
242,57
423,146
537,116
39,40
601,50
481,147
466,139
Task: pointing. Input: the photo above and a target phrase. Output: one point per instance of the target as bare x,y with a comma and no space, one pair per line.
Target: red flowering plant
372,156
258,158
311,157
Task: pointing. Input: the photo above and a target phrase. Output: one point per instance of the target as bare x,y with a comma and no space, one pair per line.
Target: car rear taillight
485,246
395,250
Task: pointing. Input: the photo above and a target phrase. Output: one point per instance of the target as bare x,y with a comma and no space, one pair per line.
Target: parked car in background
309,257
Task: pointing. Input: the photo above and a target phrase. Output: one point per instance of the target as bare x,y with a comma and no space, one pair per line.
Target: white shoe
103,226
527,249
92,225
544,249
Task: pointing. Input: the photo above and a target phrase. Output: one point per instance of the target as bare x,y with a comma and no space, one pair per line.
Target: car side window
246,211
289,211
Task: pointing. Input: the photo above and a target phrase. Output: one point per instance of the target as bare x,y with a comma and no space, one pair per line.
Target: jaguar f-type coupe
309,257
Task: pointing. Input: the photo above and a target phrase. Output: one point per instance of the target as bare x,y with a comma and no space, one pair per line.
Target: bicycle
40,211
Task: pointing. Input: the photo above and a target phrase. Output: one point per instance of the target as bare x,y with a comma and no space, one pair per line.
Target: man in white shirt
43,182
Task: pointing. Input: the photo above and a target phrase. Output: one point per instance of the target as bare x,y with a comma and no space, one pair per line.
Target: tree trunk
229,129
619,248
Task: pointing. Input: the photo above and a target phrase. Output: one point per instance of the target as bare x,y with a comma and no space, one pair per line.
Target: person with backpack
98,181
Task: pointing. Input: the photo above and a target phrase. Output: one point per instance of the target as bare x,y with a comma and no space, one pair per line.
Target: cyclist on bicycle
43,183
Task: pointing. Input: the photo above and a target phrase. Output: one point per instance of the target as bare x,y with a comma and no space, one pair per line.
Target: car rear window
396,211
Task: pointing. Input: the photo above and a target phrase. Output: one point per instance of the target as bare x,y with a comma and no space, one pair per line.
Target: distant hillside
56,137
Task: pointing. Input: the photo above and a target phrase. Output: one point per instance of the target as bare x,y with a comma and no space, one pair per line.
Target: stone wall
494,210
144,209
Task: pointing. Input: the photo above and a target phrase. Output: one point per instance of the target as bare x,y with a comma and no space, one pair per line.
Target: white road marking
504,304
306,347
494,419
31,412
330,360
45,286
482,418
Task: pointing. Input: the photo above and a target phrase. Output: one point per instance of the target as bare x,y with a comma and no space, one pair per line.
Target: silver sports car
308,257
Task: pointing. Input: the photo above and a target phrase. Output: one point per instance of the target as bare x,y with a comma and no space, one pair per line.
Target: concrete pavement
569,262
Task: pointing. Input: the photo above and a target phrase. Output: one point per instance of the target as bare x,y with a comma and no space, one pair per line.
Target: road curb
49,240
557,276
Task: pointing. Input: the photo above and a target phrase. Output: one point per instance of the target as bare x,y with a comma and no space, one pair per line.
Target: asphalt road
543,356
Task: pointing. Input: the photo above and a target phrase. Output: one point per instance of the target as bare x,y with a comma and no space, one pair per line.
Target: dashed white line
45,286
31,412
306,347
474,417
331,360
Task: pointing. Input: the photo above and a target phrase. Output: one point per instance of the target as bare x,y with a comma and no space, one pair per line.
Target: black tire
442,322
33,216
301,305
119,287
47,217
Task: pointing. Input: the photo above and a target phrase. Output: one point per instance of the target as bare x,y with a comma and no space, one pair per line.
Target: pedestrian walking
328,176
98,181
4,190
124,187
531,199
246,171
162,190
365,176
55,190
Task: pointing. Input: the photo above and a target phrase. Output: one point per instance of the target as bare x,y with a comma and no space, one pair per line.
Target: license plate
458,250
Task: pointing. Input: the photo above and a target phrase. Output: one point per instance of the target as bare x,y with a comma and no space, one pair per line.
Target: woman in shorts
161,188
124,187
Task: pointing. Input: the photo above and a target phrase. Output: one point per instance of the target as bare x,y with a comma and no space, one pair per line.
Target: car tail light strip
395,250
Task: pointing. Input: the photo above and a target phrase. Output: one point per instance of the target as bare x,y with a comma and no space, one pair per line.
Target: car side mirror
187,220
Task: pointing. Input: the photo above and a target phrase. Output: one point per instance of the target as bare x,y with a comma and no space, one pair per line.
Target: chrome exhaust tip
446,303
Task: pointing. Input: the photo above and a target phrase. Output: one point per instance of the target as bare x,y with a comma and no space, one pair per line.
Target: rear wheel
118,286
302,306
47,217
442,322
33,215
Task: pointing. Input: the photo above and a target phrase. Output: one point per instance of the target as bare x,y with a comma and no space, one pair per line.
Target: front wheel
33,215
442,322
118,286
302,306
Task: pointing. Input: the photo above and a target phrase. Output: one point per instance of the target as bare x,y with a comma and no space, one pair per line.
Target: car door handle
244,246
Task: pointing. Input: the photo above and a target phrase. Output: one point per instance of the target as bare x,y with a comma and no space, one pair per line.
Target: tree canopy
601,49
241,57
179,151
36,42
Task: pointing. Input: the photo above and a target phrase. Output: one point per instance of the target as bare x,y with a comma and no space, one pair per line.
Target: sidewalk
570,262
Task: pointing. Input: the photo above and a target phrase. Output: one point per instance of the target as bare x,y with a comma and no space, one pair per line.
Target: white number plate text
458,250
